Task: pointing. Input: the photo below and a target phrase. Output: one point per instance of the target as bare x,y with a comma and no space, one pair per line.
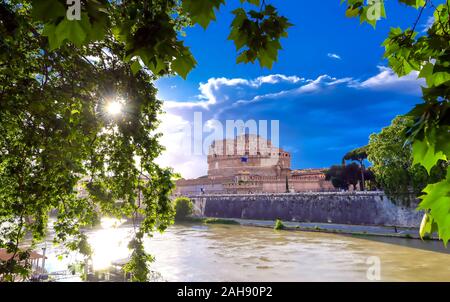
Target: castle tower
249,153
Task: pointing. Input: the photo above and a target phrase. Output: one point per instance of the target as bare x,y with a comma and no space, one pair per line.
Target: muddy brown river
192,252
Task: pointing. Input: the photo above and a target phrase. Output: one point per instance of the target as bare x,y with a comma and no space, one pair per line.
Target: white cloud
207,95
208,90
387,80
312,86
274,79
174,104
176,138
189,167
340,81
428,24
334,56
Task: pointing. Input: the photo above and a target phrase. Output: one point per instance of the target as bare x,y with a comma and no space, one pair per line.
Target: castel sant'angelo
250,164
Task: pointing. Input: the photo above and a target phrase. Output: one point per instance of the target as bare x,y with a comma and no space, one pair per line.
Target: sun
114,107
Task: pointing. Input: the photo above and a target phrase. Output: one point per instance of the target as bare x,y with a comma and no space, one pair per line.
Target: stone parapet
359,208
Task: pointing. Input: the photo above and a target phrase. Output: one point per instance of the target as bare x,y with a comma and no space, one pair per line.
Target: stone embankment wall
360,208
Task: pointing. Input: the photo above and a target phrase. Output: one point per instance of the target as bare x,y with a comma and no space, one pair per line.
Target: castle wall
362,208
195,189
225,166
312,185
255,184
296,186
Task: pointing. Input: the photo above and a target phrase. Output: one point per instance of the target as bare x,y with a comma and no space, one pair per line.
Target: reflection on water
238,253
109,243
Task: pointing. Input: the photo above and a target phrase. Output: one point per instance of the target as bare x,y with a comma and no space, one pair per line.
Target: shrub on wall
279,225
183,208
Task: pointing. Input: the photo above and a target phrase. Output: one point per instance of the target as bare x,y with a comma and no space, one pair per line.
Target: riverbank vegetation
209,220
392,163
219,221
183,208
279,225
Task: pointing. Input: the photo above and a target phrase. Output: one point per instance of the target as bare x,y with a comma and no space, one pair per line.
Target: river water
196,252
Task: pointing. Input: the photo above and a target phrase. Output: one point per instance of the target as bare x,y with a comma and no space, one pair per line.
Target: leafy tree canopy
392,163
358,154
62,148
150,30
342,177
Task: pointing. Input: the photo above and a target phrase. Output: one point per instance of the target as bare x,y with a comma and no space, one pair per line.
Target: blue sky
330,88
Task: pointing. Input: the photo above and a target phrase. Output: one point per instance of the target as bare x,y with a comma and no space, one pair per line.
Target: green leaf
269,55
136,67
98,30
370,12
427,226
254,2
352,12
414,3
75,31
242,58
54,40
184,63
443,140
424,154
202,11
239,38
426,72
437,201
439,78
46,10
259,33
